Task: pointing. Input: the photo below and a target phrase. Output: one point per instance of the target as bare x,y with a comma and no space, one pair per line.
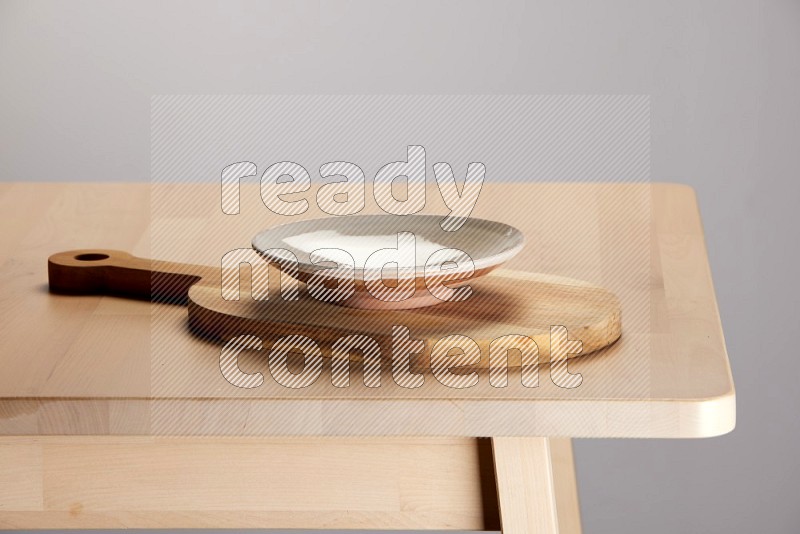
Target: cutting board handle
115,272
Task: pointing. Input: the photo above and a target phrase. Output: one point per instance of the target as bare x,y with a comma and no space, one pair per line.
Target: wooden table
112,415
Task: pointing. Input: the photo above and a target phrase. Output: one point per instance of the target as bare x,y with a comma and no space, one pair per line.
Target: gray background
76,80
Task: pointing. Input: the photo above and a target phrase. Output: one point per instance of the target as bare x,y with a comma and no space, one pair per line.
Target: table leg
536,485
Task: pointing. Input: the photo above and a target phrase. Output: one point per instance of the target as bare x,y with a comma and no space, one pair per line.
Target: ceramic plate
406,244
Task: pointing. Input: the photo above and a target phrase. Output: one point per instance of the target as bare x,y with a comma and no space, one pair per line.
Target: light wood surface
525,485
86,482
157,482
536,485
566,486
498,306
104,365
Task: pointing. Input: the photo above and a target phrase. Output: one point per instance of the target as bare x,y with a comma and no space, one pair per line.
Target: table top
109,365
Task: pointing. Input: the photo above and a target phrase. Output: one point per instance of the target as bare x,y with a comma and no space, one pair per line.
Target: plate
389,261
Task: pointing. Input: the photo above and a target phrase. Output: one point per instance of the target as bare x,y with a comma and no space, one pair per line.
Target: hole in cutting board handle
92,256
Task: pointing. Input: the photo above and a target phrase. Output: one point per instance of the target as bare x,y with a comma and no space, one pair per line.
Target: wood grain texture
138,482
99,364
499,305
525,485
566,486
536,485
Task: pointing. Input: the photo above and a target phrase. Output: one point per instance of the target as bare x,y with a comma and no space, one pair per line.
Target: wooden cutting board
503,303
